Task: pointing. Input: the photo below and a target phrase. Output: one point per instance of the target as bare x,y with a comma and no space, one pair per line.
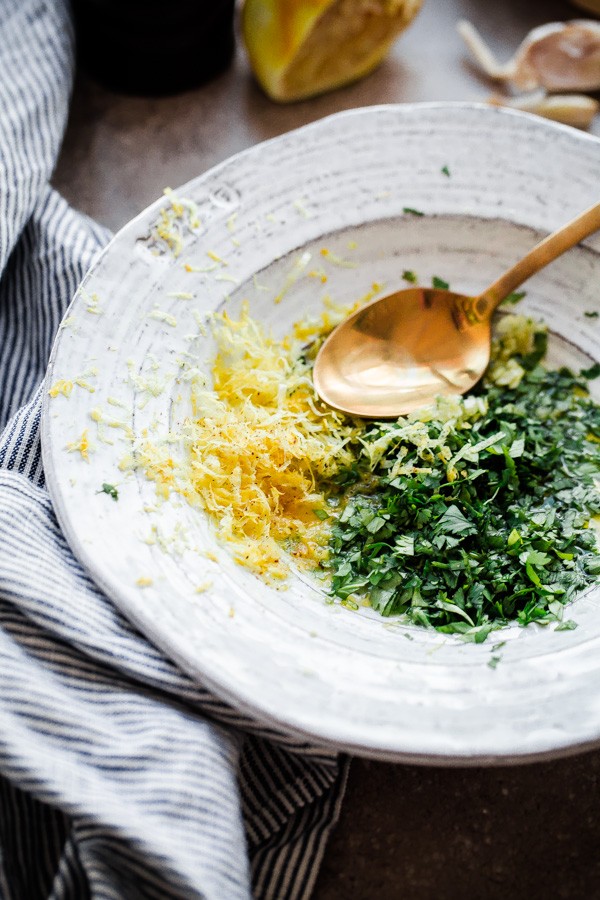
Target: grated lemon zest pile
257,450
512,335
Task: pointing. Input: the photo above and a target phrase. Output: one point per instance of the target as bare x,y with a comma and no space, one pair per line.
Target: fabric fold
36,74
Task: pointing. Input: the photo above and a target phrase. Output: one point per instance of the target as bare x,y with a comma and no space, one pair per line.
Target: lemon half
299,48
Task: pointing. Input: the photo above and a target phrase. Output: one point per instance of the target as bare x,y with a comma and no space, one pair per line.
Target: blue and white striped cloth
119,776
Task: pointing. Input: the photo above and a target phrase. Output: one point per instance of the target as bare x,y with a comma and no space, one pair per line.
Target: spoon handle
543,253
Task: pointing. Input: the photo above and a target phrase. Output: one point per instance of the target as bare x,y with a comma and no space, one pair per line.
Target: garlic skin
560,56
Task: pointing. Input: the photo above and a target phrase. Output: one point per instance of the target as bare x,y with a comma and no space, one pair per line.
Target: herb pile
481,511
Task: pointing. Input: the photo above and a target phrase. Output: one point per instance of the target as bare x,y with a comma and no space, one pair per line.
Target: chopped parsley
514,298
479,511
567,625
593,314
409,211
439,283
445,171
592,372
109,489
409,276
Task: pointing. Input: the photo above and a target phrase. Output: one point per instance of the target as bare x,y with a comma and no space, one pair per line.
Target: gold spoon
399,352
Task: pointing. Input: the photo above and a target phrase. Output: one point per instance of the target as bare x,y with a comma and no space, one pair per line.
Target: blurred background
180,136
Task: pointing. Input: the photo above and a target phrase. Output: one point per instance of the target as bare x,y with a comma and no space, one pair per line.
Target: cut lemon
299,48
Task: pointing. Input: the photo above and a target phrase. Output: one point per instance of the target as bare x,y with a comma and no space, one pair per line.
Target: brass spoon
399,352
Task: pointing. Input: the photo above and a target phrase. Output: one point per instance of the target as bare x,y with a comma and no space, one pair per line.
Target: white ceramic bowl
344,679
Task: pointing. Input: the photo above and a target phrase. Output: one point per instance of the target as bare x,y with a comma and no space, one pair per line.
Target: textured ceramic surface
131,339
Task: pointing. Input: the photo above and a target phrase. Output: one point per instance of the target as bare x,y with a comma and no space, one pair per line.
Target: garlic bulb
570,109
560,56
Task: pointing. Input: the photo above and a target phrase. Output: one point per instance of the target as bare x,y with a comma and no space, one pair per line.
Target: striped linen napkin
119,776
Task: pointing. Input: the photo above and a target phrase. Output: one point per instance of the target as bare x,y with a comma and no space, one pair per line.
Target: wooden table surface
405,831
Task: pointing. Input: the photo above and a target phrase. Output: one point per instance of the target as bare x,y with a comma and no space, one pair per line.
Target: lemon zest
81,445
62,386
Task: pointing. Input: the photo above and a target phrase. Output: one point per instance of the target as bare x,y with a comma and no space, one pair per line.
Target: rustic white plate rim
384,740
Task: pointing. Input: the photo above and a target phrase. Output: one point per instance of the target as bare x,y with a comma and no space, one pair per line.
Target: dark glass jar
153,46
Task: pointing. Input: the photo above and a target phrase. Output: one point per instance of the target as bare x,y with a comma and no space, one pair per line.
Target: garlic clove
570,109
482,53
559,56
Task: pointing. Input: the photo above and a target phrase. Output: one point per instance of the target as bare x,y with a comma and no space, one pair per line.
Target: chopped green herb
109,489
321,514
515,297
592,372
445,171
409,276
567,625
439,283
349,603
493,661
593,314
475,513
409,211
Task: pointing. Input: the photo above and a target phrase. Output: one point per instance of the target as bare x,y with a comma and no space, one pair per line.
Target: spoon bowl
400,352
397,353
